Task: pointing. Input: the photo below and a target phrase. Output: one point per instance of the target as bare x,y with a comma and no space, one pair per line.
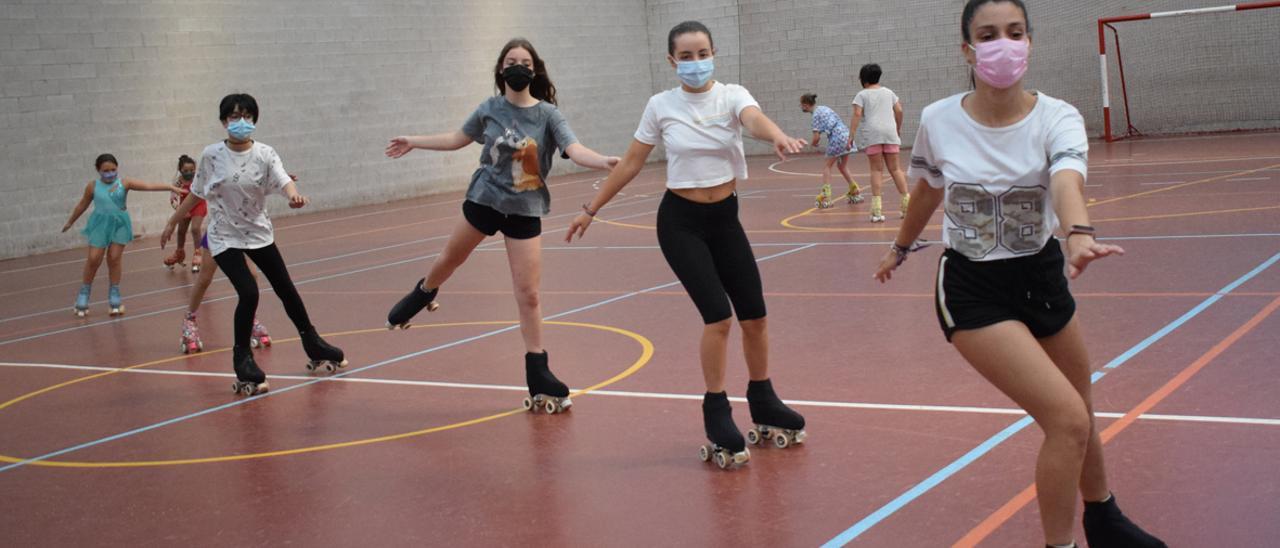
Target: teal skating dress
109,223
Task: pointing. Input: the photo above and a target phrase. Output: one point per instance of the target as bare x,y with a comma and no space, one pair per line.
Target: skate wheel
753,436
200,346
800,436
311,366
183,348
528,404
704,453
330,368
743,457
722,459
781,441
265,342
253,343
551,407
433,306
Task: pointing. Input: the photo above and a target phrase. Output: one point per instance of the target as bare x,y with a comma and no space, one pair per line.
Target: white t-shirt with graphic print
997,203
702,133
236,186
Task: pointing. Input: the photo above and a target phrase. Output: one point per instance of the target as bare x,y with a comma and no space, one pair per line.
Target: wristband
587,210
1082,229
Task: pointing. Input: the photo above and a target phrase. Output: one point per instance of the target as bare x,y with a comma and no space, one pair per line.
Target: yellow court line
645,355
1181,185
1191,214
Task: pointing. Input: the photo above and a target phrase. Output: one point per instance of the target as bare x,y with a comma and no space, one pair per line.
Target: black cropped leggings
234,264
709,252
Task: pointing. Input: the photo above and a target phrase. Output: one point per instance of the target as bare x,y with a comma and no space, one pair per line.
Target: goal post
1248,57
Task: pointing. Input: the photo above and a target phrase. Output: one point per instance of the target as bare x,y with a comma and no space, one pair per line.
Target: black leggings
709,252
271,264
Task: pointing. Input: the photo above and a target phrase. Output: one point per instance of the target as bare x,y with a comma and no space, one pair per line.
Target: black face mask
189,176
517,77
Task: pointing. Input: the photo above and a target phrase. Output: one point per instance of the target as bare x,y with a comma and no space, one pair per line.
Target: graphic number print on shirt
523,151
1015,219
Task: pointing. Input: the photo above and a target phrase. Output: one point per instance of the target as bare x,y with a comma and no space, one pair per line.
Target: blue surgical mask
240,129
108,176
695,74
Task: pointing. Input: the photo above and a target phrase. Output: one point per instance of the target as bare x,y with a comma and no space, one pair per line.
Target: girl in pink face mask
1008,166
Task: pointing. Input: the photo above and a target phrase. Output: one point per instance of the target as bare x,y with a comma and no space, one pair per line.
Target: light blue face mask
240,129
695,74
107,177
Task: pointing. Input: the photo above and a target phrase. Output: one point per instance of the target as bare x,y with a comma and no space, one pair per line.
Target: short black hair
870,74
809,98
104,158
686,28
242,101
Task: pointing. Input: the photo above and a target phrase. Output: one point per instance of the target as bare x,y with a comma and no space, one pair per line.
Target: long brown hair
541,87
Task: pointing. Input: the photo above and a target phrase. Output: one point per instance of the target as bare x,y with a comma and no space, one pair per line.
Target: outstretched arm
134,184
1067,188
85,200
454,140
924,201
622,173
761,127
591,159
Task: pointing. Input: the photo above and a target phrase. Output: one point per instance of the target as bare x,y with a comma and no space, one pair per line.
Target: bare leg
91,264
876,164
115,263
1012,360
462,242
525,259
1068,352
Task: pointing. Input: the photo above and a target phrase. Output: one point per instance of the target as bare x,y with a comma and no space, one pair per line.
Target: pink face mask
1001,63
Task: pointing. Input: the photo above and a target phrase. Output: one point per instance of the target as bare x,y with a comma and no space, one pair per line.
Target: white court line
1241,179
1165,183
662,396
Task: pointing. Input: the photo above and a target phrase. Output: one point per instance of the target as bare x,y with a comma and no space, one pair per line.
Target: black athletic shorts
489,221
1031,289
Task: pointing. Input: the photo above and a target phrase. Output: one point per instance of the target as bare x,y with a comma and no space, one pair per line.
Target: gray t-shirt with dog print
519,144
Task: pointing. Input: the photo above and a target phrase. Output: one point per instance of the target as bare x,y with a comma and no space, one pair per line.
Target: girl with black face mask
192,222
520,129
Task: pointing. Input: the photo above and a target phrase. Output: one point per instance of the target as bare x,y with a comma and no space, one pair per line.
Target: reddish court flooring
112,437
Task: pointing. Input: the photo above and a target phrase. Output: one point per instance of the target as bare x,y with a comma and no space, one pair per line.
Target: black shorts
489,221
1032,290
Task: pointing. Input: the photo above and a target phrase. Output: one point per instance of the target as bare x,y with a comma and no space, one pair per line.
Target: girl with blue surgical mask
109,228
700,124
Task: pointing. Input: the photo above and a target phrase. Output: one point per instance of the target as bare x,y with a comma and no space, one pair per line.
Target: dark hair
971,8
870,74
809,98
104,158
541,87
686,28
184,160
242,101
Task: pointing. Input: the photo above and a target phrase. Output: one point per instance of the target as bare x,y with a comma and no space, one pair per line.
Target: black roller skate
773,419
1106,527
411,305
727,447
546,392
249,379
324,356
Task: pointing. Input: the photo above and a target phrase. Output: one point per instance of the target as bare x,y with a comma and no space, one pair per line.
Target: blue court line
358,370
949,470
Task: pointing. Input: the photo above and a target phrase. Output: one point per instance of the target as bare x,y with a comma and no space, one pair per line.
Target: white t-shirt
702,133
997,202
878,125
236,185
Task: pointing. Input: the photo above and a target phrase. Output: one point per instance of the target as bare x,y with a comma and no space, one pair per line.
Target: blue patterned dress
827,121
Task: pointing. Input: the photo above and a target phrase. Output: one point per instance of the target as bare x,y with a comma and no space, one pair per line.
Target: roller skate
413,303
823,201
854,195
546,392
906,201
81,307
1106,527
113,301
877,211
176,259
259,338
324,356
727,448
191,342
250,380
773,419
196,262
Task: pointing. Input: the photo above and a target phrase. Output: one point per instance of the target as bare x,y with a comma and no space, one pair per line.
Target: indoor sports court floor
111,436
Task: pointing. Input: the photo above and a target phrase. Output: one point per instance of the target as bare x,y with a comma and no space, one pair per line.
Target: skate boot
196,262
727,447
1106,527
546,392
877,211
906,201
324,357
114,302
411,305
176,259
773,419
191,335
81,307
854,195
823,201
249,379
259,338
